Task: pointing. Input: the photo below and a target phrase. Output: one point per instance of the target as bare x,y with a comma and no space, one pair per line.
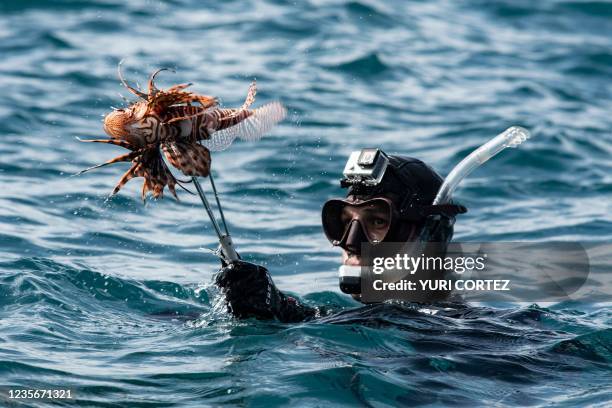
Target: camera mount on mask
371,172
365,168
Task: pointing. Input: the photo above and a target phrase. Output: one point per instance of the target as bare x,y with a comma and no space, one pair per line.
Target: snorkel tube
511,137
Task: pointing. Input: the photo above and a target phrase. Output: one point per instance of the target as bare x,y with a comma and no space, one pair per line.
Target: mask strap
420,213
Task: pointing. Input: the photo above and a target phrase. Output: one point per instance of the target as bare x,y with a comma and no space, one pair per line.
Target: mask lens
374,216
333,226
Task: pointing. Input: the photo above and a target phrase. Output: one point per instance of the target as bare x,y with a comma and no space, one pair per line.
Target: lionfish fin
250,98
172,189
129,88
178,87
145,188
151,86
115,142
122,158
192,159
127,176
258,122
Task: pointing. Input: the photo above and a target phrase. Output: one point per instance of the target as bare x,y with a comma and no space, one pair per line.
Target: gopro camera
366,166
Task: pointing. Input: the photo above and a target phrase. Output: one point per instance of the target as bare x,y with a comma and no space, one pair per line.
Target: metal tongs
226,249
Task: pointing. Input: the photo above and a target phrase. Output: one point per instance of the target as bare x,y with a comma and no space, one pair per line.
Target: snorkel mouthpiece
350,279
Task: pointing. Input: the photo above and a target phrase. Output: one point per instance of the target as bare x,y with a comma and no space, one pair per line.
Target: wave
366,66
42,281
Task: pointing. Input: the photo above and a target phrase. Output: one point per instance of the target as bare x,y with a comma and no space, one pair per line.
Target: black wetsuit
250,292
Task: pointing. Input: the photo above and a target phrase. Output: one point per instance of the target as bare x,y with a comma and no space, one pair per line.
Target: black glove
250,292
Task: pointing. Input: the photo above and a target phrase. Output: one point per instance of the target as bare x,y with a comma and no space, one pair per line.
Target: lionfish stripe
200,113
231,117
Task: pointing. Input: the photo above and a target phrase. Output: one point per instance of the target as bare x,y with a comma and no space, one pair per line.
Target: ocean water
113,298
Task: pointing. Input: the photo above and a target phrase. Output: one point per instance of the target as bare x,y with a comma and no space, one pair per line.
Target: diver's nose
355,237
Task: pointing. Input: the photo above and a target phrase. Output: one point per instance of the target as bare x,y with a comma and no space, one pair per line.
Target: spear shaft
225,240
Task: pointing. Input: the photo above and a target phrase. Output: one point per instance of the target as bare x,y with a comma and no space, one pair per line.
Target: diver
389,199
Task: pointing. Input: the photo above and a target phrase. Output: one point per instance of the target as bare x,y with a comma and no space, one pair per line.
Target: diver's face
374,218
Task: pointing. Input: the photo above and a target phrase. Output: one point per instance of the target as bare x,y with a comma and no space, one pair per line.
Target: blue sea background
113,299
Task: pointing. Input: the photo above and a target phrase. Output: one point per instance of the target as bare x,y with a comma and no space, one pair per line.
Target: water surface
112,298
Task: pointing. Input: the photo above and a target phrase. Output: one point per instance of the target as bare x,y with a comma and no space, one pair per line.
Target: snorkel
511,137
437,217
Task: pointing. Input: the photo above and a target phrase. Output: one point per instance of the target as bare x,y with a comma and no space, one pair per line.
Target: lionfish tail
249,125
264,119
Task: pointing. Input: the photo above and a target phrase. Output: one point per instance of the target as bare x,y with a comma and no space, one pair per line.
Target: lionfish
184,126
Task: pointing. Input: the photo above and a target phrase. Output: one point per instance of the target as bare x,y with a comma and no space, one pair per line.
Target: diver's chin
353,260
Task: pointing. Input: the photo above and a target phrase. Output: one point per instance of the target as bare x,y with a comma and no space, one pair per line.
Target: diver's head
388,200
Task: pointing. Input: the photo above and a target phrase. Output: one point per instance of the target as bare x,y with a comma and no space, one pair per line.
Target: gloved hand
249,290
